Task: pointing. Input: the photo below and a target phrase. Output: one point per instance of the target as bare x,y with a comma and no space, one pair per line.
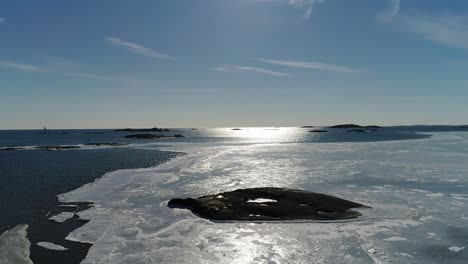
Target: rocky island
11,148
154,129
318,131
269,204
151,136
354,126
52,148
99,144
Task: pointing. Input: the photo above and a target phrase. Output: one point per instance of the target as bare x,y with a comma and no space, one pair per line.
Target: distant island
151,136
353,126
318,131
111,144
154,129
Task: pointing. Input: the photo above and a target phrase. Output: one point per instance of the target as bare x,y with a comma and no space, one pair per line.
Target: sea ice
62,217
51,246
14,246
131,223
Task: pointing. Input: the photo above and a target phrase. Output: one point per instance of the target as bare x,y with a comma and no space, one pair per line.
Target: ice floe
51,246
456,249
62,217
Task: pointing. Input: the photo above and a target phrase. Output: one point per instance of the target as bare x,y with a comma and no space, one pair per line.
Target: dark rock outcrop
346,126
236,129
11,148
318,131
307,126
269,204
106,144
355,126
51,148
143,136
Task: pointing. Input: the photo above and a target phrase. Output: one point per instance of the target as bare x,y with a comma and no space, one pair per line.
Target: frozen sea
414,178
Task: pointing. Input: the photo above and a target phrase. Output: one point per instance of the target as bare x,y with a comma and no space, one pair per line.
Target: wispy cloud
308,5
46,70
389,14
446,29
21,67
139,49
234,68
2,20
314,65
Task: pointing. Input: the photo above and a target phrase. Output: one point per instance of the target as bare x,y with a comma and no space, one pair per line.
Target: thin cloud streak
314,65
139,49
388,15
235,68
447,29
308,5
21,67
44,70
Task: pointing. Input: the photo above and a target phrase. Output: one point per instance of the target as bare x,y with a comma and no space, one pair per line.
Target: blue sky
207,63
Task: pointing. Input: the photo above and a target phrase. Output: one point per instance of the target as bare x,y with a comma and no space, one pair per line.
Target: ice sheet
416,189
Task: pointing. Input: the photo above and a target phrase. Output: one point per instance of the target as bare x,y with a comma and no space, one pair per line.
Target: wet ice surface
417,190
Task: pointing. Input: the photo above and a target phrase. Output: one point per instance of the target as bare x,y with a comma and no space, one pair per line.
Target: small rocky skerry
269,204
151,136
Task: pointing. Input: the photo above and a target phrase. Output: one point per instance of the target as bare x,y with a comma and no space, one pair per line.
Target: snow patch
456,249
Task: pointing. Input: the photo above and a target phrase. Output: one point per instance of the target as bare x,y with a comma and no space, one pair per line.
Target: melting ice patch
402,180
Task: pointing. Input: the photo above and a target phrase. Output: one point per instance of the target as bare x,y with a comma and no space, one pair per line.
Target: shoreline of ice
14,246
